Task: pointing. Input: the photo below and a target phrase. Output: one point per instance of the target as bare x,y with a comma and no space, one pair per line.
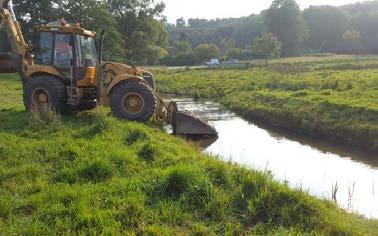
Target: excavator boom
8,19
14,61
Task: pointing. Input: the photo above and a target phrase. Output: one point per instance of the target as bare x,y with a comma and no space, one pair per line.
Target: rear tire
45,92
133,101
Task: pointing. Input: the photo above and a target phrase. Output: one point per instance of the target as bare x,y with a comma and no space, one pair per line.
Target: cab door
86,61
57,50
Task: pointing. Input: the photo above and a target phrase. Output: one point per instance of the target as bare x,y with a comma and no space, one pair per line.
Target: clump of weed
95,171
171,212
300,94
69,155
5,207
196,96
45,118
234,228
218,173
201,229
149,152
132,212
326,93
66,175
2,152
349,86
279,206
200,194
179,180
331,85
250,185
156,230
135,136
101,121
188,185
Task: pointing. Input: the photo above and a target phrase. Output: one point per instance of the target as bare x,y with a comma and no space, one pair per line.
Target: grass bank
334,99
91,174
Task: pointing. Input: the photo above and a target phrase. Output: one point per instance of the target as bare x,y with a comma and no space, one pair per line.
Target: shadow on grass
13,121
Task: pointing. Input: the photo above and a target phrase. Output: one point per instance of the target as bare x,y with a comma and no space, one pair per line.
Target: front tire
134,101
45,92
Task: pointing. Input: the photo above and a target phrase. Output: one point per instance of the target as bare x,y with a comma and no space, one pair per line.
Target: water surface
313,165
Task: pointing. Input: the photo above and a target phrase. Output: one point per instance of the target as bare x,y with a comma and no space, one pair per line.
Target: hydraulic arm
20,57
8,19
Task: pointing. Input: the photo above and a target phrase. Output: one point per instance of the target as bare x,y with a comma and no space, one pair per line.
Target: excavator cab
72,54
62,70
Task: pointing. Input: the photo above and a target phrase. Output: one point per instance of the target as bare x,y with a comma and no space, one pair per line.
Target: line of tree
317,29
137,30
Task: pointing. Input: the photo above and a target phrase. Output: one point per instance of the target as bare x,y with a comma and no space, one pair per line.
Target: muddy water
304,163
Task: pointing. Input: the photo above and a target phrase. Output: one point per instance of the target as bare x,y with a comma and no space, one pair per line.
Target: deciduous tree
207,51
326,27
267,46
141,23
285,21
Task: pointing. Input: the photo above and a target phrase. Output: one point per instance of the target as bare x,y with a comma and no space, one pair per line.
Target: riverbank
314,166
332,100
89,173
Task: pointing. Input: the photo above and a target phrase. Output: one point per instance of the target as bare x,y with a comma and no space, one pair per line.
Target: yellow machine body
81,80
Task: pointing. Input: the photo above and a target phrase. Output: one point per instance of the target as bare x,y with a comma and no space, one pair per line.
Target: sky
212,9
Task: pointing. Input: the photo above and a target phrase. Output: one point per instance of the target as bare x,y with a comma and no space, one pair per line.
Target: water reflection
311,164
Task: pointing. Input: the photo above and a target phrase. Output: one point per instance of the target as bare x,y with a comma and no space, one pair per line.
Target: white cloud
211,9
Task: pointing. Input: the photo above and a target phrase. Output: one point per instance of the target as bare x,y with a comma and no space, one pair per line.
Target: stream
315,166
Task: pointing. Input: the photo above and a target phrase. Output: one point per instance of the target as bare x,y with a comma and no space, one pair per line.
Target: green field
332,98
91,174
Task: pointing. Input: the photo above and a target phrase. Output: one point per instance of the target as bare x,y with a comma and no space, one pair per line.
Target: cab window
63,54
45,48
87,51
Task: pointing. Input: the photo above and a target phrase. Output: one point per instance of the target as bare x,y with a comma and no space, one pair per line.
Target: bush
45,119
207,51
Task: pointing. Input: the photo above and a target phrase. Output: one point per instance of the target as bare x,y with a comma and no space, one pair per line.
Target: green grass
334,99
89,173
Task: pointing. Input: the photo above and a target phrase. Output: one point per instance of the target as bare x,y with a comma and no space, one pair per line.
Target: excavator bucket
191,127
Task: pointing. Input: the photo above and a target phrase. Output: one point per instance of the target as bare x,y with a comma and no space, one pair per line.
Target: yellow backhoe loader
62,69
